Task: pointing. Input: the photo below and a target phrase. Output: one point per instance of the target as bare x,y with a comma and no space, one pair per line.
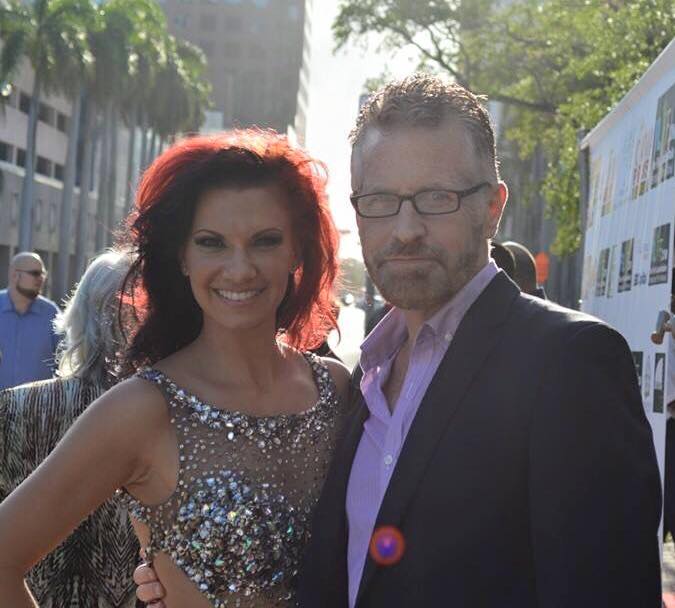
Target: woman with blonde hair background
93,567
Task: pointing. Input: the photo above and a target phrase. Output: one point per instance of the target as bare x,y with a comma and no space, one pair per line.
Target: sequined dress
240,516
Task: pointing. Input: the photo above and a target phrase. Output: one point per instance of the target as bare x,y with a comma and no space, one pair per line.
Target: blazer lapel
329,542
476,336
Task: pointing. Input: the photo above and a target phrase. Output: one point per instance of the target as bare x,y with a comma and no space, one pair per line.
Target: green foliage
50,34
560,64
180,93
117,50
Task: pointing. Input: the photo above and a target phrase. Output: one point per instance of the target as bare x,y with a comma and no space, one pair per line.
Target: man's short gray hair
426,100
89,323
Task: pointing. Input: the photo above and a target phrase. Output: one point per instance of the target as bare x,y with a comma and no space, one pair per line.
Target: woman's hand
102,451
149,589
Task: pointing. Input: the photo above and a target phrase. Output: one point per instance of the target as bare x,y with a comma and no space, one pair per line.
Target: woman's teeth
237,296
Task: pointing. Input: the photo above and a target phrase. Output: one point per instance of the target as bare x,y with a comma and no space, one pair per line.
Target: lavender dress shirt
385,430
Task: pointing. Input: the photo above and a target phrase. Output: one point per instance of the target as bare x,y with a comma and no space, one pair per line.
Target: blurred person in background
93,567
503,258
525,271
27,338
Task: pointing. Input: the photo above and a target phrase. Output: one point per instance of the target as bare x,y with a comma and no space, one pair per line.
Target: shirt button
388,459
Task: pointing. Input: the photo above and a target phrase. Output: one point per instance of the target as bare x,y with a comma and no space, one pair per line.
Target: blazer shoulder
545,318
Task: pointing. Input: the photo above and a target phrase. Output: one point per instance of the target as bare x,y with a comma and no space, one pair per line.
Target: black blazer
528,478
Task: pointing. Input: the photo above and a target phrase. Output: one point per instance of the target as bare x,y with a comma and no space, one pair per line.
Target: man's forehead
450,133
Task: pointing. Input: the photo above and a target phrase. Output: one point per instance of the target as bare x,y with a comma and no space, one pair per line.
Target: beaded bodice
239,519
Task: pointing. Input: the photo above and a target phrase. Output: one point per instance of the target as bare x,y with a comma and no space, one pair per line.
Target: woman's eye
271,240
209,241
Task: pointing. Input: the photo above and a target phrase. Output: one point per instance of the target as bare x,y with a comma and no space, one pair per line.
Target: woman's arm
104,450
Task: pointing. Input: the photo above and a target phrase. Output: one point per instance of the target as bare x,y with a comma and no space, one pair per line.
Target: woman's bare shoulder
136,397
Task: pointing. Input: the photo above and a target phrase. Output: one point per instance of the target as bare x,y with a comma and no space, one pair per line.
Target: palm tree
74,75
47,33
181,92
119,27
141,24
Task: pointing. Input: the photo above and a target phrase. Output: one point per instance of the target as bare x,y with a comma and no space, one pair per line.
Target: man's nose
409,225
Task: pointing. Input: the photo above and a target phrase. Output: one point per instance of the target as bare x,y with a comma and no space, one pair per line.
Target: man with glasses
496,452
27,338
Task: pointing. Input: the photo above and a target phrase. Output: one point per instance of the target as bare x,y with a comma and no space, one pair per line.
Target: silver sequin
240,517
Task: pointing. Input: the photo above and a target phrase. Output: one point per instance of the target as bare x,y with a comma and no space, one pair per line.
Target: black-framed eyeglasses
425,202
38,274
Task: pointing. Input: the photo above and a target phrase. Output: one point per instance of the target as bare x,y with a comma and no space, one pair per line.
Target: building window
20,157
234,23
6,152
43,166
232,50
58,171
181,21
46,113
293,13
207,23
24,102
256,51
207,47
61,122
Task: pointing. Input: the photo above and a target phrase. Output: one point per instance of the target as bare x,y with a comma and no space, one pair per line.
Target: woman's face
239,254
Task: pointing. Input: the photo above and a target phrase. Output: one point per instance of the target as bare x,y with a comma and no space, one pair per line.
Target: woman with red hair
221,439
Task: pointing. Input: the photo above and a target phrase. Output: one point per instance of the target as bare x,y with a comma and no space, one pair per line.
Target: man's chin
27,293
413,295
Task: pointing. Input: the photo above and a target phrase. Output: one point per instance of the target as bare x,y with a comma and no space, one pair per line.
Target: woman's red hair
165,205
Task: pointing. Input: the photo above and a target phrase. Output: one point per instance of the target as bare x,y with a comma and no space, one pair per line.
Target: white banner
628,244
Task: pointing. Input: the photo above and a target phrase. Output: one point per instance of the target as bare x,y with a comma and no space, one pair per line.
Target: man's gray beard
31,294
426,289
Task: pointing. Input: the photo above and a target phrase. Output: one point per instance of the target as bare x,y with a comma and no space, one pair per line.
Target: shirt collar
446,320
384,340
6,304
390,333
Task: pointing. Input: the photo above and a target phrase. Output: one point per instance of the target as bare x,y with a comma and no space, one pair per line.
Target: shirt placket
420,359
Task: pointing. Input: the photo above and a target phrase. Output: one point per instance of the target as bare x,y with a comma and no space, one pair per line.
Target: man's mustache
408,250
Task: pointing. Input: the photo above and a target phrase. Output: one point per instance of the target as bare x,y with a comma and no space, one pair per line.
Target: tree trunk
112,176
28,187
162,143
61,279
144,141
153,146
103,171
131,174
85,183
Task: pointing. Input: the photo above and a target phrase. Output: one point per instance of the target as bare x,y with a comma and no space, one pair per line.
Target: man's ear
496,208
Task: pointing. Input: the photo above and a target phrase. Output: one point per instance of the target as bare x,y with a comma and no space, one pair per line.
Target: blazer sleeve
594,484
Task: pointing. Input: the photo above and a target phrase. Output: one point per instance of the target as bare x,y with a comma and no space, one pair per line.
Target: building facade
52,143
258,58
